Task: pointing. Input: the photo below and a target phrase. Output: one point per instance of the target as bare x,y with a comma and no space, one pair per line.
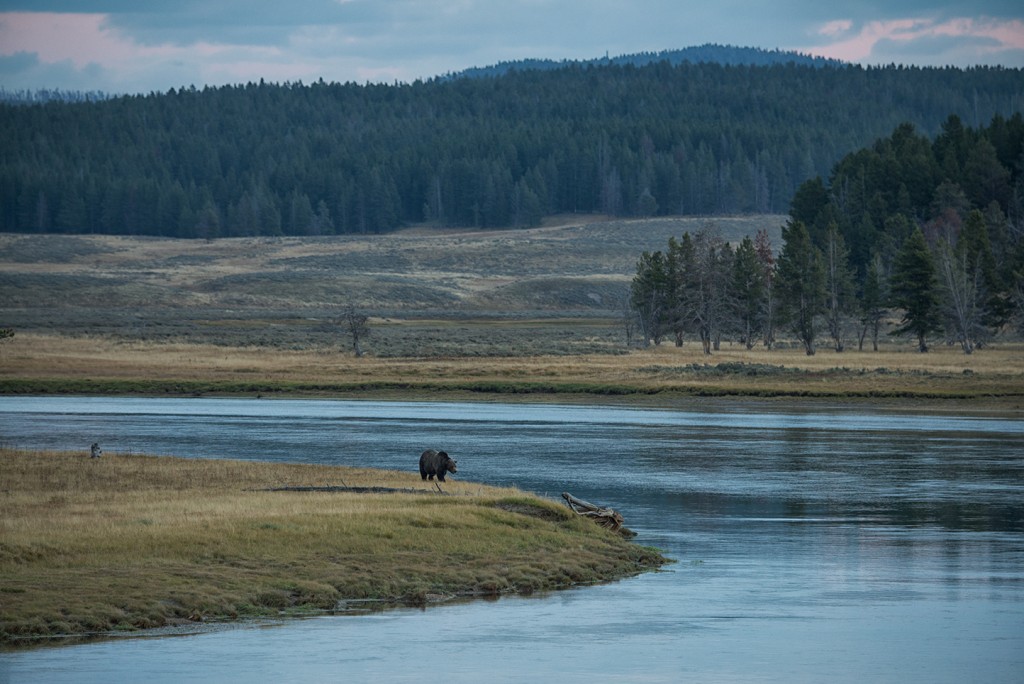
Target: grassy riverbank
54,364
89,547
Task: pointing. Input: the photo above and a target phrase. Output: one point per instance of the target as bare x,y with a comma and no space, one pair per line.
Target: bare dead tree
629,319
356,325
763,247
873,303
708,292
964,300
838,287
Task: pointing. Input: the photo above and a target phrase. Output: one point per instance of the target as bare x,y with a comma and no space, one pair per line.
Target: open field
528,313
98,365
431,292
124,542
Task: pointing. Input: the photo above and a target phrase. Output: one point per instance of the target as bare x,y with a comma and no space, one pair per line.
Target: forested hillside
929,230
260,159
708,53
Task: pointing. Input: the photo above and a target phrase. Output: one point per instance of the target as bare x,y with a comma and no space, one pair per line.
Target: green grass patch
121,543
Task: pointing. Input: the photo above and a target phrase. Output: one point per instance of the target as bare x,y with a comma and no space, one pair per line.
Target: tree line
708,53
330,158
937,235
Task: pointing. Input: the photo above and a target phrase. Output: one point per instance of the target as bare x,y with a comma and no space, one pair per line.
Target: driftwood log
605,517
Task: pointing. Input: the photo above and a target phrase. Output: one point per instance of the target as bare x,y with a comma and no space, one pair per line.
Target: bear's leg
440,476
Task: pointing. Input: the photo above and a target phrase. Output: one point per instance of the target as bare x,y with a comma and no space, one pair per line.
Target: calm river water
811,544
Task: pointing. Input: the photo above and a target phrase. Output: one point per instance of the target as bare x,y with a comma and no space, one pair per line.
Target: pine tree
801,283
680,267
914,289
649,295
976,250
749,290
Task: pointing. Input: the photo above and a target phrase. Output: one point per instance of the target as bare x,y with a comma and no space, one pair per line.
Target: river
811,543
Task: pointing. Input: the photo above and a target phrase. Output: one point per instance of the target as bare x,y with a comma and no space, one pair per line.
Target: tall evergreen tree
680,268
749,287
649,295
915,290
800,283
975,248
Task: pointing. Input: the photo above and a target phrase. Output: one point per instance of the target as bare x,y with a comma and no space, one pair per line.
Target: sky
143,46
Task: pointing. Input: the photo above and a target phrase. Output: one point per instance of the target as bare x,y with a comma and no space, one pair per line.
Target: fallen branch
605,517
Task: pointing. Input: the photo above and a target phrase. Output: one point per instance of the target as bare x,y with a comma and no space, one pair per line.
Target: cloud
836,27
24,71
51,36
17,63
924,41
140,46
230,22
69,50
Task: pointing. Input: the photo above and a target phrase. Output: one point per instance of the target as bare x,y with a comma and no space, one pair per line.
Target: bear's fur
433,462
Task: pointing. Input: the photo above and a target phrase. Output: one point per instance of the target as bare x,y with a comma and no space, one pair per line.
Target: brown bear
433,462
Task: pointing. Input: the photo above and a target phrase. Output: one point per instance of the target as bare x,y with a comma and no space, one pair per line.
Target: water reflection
816,545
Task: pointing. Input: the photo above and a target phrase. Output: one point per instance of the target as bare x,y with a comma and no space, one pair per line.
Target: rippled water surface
829,544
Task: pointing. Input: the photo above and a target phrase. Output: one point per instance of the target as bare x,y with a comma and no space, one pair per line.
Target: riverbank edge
605,557
524,391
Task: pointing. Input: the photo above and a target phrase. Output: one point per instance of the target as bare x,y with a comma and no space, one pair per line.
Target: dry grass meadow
120,543
528,313
38,363
558,289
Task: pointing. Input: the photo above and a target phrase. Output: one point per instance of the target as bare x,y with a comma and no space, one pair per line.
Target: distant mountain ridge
662,139
699,54
709,53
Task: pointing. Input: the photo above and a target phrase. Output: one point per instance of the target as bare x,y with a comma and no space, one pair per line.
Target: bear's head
449,462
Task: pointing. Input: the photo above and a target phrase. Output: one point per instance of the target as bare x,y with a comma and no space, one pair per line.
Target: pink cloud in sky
836,28
79,38
859,46
87,38
84,40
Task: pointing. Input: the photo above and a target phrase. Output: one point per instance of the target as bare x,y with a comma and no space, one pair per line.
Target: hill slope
625,141
708,53
429,291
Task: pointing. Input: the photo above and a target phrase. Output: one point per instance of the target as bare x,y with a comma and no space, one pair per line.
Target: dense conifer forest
496,152
698,54
930,231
